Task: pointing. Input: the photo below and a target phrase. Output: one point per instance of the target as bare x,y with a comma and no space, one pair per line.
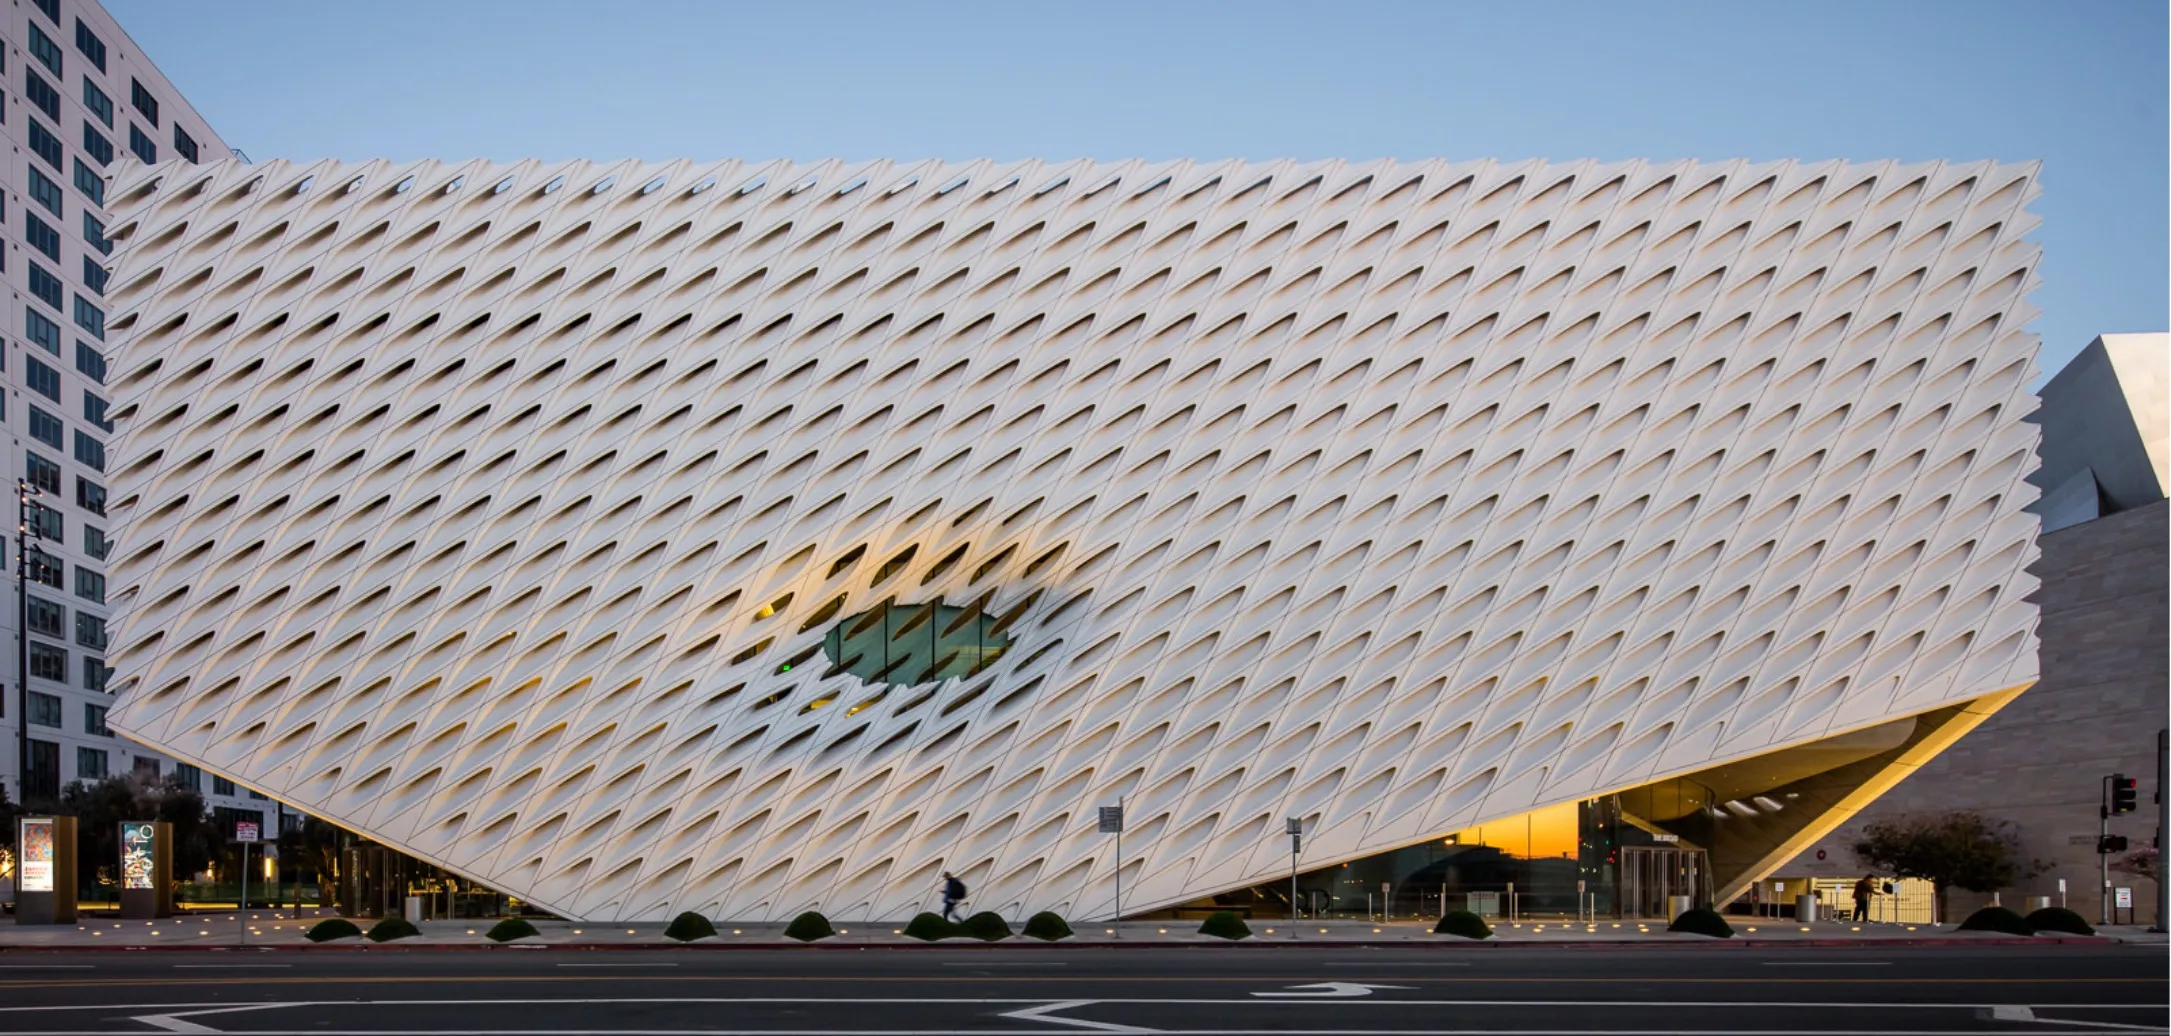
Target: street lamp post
24,493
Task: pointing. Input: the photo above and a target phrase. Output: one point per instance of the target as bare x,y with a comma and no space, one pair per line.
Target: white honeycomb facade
462,501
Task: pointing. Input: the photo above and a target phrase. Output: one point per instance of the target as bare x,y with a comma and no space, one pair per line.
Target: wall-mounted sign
139,854
37,865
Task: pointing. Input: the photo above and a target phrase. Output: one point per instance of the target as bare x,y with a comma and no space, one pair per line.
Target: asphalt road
1053,992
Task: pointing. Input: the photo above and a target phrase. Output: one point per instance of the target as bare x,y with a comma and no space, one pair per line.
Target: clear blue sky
2080,84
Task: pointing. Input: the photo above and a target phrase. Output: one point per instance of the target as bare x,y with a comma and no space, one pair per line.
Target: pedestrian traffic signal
2109,844
2125,794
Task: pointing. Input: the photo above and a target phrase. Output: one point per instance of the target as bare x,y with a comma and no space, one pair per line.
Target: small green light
787,668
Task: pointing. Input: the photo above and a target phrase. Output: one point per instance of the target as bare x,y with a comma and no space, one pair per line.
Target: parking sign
245,831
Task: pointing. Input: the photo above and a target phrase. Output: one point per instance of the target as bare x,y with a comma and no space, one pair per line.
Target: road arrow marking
174,1021
1330,990
1045,1013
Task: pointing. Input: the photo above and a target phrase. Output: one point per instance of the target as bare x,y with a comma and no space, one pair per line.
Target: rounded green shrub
2059,919
1702,921
393,928
509,929
986,926
332,928
930,927
1997,919
1046,926
1465,924
809,927
689,926
1224,924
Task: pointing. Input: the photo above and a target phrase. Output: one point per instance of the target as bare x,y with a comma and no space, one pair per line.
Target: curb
1458,945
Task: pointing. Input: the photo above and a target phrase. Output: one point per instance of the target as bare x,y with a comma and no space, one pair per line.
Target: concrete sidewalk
284,930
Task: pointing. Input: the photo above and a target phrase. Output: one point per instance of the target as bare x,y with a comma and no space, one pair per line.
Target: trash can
1805,908
2036,903
1678,905
414,909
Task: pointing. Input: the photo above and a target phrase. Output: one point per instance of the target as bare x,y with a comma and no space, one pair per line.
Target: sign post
1111,818
245,832
1296,845
146,869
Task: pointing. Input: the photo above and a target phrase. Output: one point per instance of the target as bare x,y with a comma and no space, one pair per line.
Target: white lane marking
1045,1013
1330,990
191,1008
1045,1032
618,965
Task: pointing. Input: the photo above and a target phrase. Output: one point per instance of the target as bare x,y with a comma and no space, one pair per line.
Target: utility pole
2163,824
2103,857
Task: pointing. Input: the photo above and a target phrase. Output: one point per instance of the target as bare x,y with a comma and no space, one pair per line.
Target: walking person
953,893
1865,890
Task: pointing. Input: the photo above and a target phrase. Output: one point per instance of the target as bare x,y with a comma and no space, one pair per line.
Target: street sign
1296,826
245,831
2124,898
2061,886
1111,820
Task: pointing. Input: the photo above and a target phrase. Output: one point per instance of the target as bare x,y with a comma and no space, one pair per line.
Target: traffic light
2109,844
2125,794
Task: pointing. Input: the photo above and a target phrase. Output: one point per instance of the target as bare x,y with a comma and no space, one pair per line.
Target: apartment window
94,721
51,9
45,192
45,286
42,237
91,497
95,276
48,663
90,763
94,232
47,145
87,42
47,523
90,318
258,795
45,50
48,617
89,585
45,569
46,428
40,328
44,776
142,144
145,101
97,101
90,362
43,380
90,631
94,411
188,777
95,674
96,143
41,93
95,543
90,183
90,452
42,473
184,143
221,786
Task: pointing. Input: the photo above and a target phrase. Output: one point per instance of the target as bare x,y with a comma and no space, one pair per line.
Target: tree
2141,862
1959,849
100,806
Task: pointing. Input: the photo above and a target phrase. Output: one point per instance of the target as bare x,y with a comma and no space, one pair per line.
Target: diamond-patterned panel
501,511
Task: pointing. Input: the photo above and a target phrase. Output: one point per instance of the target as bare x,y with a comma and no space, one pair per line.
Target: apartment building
80,97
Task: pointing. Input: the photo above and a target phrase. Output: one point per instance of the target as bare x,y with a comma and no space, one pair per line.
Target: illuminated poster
138,843
37,855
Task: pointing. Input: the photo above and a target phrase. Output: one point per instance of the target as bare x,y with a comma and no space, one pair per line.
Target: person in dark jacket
953,893
1865,890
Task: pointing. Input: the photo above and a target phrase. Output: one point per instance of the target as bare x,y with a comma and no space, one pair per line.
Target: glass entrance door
1651,877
